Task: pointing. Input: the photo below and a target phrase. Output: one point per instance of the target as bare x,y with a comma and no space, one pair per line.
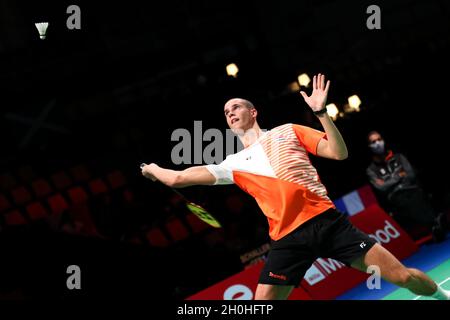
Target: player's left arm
334,146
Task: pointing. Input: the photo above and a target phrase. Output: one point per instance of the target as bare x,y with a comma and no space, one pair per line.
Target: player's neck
251,135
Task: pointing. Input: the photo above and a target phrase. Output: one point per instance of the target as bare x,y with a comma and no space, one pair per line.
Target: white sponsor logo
238,292
314,275
330,265
386,234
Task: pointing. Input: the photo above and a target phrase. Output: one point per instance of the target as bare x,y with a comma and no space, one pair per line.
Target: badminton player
304,224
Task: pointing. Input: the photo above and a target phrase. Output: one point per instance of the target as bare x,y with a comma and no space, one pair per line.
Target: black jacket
387,168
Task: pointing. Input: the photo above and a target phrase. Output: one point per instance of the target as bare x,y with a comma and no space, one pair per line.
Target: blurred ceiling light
304,80
294,87
354,102
332,110
232,70
42,28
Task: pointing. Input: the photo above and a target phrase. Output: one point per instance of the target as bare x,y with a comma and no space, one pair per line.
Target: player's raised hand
318,98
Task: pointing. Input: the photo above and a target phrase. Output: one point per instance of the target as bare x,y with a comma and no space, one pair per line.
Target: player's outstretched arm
179,178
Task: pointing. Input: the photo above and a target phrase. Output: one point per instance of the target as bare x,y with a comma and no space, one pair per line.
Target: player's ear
254,112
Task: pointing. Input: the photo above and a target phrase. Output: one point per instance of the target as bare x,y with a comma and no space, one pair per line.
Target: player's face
239,115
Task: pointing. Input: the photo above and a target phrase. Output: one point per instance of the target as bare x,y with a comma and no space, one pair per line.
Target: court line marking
442,282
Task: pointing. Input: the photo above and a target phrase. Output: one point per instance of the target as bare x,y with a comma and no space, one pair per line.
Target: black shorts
328,235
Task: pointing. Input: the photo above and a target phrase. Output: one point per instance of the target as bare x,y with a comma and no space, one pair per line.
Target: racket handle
142,165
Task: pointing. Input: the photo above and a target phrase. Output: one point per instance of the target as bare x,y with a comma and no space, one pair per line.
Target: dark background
136,71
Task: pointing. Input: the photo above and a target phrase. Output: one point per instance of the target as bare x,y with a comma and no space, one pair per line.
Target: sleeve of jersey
309,137
222,172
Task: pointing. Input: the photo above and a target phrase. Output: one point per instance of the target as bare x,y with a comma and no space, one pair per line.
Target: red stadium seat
77,195
36,211
41,188
116,179
57,203
21,195
14,218
177,230
81,215
97,186
157,238
196,224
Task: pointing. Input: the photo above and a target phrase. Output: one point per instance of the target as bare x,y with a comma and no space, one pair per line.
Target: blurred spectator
399,191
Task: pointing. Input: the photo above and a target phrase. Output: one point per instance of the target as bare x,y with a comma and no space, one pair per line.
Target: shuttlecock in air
42,28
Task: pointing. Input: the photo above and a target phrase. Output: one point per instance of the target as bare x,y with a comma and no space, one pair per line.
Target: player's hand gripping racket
200,212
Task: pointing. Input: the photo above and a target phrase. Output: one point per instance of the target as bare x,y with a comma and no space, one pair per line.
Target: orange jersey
278,173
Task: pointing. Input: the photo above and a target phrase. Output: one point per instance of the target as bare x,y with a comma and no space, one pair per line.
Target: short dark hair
248,103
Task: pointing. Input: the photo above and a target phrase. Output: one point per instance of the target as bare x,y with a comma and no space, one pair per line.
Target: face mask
377,147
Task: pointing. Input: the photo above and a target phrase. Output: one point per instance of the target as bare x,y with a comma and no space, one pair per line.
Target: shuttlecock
42,28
